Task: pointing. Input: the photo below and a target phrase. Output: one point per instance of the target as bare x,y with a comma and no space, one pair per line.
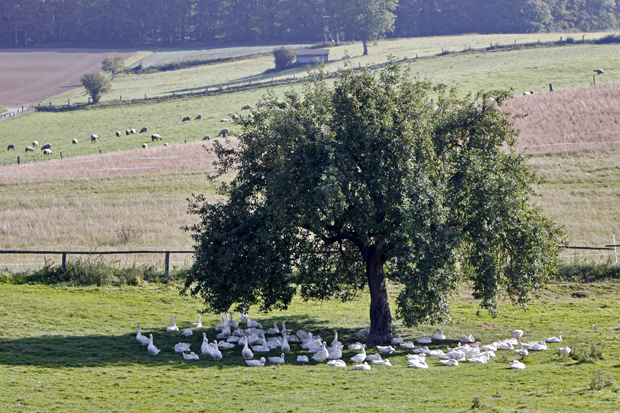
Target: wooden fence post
18,161
64,261
167,264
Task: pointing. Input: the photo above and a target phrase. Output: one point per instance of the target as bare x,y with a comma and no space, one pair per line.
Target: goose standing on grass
277,360
335,342
321,355
205,348
152,349
232,322
246,352
198,324
284,329
173,327
517,334
335,352
144,340
285,346
557,339
360,357
216,353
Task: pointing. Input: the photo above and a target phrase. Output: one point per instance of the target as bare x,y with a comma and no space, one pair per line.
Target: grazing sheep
93,137
186,118
224,120
127,131
198,117
47,152
155,137
206,138
166,144
11,146
261,104
144,146
46,146
75,141
250,116
29,149
246,107
132,131
599,71
118,133
35,143
144,129
235,116
224,132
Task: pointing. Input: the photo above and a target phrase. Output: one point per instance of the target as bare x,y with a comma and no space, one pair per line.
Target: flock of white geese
252,340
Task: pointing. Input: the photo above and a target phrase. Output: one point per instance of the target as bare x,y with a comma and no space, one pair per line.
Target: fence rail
65,253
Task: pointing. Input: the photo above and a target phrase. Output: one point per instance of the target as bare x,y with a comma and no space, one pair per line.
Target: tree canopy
380,177
95,85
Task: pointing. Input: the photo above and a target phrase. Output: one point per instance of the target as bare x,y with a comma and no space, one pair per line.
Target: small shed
309,56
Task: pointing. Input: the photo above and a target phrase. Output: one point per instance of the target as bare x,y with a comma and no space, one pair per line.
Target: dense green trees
339,189
129,22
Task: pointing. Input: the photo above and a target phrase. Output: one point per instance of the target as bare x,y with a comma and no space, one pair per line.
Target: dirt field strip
33,75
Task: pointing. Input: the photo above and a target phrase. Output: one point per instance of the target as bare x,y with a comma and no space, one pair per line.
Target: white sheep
29,149
35,143
166,144
132,131
144,129
186,118
224,132
93,137
144,146
224,120
118,133
127,131
47,152
11,146
250,116
206,137
235,116
46,146
155,137
75,141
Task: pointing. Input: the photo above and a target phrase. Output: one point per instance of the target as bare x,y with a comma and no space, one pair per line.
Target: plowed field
32,75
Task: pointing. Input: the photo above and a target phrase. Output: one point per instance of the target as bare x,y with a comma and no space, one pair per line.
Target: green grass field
74,349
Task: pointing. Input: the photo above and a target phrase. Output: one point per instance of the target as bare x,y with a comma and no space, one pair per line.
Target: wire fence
566,142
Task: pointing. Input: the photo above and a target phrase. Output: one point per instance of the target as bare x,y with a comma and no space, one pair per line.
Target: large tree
338,189
95,85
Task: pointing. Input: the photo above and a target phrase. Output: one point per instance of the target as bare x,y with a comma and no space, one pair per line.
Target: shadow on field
85,351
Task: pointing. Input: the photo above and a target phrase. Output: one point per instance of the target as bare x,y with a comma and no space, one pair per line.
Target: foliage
95,85
113,64
338,188
284,57
588,352
588,271
600,380
127,232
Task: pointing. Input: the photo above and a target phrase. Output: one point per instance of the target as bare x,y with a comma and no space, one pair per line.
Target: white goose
557,339
467,339
275,330
450,362
424,340
187,332
386,349
520,352
516,364
503,345
144,340
439,335
222,325
198,324
355,346
243,317
384,362
190,356
285,347
360,357
517,334
336,363
335,352
173,327
321,355
256,363
216,353
564,350
181,347
253,324
302,359
205,348
418,364
151,348
232,322
363,366
284,329
277,360
373,357
335,342
407,345
246,352
225,344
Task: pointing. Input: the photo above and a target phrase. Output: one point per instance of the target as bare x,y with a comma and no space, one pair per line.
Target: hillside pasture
33,75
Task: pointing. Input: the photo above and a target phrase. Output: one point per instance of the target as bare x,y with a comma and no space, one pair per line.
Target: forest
71,23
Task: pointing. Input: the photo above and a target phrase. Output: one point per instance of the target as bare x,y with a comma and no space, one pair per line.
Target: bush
284,57
610,38
95,85
588,272
127,233
589,352
600,380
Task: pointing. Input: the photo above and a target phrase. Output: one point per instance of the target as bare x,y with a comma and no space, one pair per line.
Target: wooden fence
66,253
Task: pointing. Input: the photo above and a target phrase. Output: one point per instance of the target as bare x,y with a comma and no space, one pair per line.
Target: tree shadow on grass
102,350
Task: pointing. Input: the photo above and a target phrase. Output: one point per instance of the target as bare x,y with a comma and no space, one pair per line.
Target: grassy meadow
74,349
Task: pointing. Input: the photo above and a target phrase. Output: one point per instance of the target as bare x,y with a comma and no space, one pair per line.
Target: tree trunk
381,328
365,43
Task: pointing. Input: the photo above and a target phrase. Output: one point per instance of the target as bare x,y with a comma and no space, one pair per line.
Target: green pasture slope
74,349
522,69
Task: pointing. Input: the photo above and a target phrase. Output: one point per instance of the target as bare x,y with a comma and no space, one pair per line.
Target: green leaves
336,189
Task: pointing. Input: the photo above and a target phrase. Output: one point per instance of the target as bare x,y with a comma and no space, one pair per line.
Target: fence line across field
66,253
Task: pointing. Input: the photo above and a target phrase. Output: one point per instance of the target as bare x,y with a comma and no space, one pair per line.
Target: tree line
175,22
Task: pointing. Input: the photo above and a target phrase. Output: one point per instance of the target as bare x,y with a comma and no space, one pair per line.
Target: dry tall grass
572,119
